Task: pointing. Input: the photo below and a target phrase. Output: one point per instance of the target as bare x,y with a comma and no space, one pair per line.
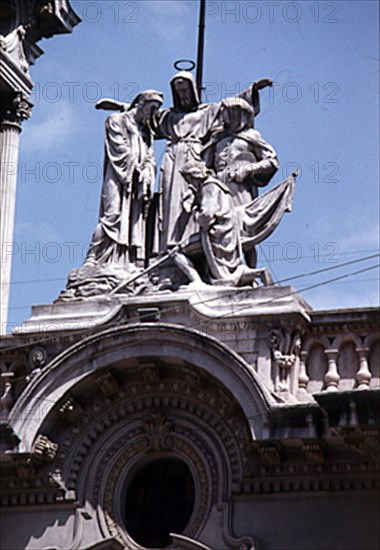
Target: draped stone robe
238,149
128,150
220,232
185,131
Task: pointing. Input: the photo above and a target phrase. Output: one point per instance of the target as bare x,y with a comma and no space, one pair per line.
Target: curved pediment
127,346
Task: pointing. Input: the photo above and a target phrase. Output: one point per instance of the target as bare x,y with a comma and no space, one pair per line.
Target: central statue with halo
202,225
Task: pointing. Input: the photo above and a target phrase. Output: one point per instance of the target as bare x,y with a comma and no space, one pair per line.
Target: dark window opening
159,501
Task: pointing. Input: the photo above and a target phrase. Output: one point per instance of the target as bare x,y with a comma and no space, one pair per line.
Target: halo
190,64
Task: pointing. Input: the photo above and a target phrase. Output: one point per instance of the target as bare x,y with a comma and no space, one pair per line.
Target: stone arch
148,341
316,363
343,339
147,419
312,341
110,404
370,340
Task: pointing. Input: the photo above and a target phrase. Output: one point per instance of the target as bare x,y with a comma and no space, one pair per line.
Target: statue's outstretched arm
262,83
251,94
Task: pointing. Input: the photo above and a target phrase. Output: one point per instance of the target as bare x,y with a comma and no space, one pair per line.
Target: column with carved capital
10,129
23,24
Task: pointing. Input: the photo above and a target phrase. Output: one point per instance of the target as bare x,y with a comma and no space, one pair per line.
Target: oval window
159,501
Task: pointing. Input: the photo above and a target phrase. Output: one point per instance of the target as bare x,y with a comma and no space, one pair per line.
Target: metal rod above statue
189,64
201,40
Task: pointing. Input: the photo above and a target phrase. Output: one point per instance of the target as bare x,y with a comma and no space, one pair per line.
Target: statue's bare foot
249,277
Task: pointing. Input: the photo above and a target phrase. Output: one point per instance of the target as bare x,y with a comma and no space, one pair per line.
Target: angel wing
107,104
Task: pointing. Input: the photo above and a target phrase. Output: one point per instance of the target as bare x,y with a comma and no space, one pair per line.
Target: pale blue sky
321,115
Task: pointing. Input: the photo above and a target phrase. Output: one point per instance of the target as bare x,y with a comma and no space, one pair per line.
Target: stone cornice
336,318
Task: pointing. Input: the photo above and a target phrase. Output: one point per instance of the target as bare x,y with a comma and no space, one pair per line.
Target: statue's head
147,103
237,114
185,93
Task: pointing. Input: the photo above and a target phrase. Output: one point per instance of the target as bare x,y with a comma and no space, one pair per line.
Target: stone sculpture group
202,225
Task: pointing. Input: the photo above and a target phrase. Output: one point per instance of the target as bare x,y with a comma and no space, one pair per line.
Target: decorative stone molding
30,489
346,337
37,360
151,372
313,452
192,378
44,449
364,441
155,409
241,543
169,411
269,454
13,44
106,383
111,504
71,411
19,110
182,346
285,349
261,454
38,357
25,468
6,399
371,339
312,340
362,334
176,402
157,429
306,481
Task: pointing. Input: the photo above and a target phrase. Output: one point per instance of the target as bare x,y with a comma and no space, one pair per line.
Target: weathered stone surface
197,380
23,24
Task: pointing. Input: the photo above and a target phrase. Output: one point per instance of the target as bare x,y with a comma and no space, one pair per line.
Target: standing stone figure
240,157
128,184
186,126
117,248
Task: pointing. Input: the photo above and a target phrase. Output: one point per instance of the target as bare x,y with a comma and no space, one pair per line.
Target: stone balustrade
342,357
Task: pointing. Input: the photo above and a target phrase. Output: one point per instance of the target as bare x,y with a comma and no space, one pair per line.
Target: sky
321,116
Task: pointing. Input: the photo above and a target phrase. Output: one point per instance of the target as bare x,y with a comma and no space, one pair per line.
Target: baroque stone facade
267,410
23,23
169,401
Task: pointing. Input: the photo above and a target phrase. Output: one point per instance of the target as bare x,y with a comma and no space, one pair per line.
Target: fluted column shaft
10,137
